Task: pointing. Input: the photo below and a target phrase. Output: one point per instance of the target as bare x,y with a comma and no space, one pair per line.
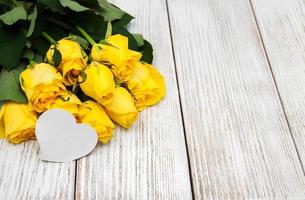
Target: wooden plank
149,161
282,27
239,143
24,176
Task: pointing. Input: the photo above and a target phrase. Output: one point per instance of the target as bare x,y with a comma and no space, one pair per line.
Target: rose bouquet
73,55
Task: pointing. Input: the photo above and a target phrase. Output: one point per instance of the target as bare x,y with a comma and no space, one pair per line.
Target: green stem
86,35
109,30
32,62
49,38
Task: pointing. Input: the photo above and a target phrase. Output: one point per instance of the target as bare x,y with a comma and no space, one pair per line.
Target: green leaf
12,42
28,54
5,2
139,38
55,32
89,3
109,11
93,24
73,5
10,87
32,17
40,44
38,58
124,21
53,5
147,52
14,15
56,57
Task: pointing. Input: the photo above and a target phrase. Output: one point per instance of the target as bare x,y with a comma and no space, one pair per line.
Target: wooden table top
231,127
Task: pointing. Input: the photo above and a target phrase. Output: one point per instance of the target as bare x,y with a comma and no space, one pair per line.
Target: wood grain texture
149,161
282,27
239,142
24,176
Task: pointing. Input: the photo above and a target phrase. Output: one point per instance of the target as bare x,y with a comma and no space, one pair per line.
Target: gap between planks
261,179
180,103
138,161
274,81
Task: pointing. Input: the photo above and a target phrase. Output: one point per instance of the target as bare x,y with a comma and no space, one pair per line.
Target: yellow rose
68,49
73,60
147,86
122,108
71,71
42,85
99,83
2,128
117,55
19,122
70,103
95,116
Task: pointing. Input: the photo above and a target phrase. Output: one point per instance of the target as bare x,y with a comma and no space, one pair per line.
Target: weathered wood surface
282,26
24,176
240,139
239,142
149,161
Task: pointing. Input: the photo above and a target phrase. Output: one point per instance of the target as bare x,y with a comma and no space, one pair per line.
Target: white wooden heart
61,139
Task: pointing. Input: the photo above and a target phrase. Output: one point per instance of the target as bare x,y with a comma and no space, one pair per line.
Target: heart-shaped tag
61,139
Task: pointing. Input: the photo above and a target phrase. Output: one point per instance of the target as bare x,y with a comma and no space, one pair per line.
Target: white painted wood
239,142
24,176
149,161
282,26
